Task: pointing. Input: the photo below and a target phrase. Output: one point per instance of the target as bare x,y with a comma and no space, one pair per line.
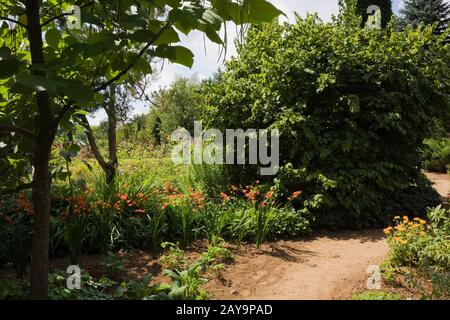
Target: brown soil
326,266
441,182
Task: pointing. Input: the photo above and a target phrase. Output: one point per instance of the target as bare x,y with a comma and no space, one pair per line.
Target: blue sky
207,54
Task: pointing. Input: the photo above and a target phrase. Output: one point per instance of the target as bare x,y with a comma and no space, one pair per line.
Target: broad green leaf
78,92
171,3
23,19
9,68
261,10
180,20
213,35
52,37
212,18
176,54
39,83
252,11
169,36
5,53
142,35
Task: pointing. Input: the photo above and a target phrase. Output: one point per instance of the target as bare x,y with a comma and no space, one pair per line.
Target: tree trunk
42,176
112,136
41,203
110,167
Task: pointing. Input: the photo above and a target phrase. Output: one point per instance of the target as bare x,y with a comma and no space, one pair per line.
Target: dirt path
327,266
441,182
330,266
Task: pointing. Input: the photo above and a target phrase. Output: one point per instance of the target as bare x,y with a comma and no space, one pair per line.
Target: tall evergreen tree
385,6
428,12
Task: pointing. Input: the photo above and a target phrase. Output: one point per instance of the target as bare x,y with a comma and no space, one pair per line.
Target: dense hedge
352,105
437,155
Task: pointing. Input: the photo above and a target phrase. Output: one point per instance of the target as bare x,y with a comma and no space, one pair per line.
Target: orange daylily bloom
224,197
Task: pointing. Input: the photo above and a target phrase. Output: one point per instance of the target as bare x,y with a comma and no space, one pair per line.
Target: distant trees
177,106
428,12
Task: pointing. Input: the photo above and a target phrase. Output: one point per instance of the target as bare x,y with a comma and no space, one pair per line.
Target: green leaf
9,68
180,20
212,18
213,35
142,35
171,3
252,11
261,10
5,54
169,36
39,83
23,19
52,37
78,92
176,54
354,103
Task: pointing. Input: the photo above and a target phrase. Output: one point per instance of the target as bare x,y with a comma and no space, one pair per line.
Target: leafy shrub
413,202
437,155
405,240
216,254
352,106
422,246
74,228
376,295
211,179
289,223
90,288
16,233
114,266
13,289
142,290
186,284
173,257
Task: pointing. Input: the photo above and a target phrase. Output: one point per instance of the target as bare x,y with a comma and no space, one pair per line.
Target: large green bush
422,247
352,105
437,155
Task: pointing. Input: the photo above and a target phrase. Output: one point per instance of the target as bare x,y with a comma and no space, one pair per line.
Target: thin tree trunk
42,176
110,167
112,136
93,143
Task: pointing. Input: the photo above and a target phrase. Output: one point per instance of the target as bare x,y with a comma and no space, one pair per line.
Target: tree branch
9,128
65,14
92,142
66,108
131,65
47,11
14,21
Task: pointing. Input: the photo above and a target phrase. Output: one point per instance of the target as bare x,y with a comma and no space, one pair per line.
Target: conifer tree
428,12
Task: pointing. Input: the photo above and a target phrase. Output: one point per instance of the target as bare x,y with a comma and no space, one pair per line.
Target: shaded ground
441,182
327,266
